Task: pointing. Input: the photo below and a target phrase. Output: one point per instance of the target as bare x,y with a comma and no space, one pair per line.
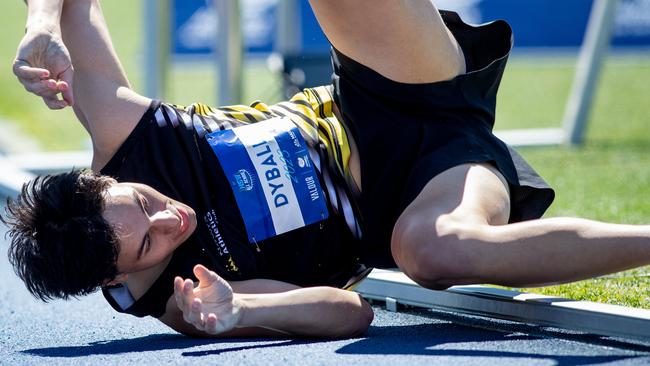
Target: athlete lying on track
392,164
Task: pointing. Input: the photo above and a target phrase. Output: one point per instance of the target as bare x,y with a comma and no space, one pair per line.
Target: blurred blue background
536,23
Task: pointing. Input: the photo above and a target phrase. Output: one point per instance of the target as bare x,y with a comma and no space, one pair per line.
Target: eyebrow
138,202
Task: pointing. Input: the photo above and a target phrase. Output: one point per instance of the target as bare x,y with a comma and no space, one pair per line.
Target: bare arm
264,308
103,94
103,100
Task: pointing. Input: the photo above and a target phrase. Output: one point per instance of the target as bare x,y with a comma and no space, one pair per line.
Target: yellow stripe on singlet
322,102
311,110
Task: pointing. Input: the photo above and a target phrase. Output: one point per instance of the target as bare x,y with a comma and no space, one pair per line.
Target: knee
432,255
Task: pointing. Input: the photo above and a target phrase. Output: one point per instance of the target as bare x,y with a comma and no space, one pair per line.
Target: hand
44,67
210,307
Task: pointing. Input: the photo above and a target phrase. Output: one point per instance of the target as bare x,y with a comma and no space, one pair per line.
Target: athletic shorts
409,133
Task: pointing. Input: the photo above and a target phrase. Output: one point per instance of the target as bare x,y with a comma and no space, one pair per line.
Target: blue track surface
88,331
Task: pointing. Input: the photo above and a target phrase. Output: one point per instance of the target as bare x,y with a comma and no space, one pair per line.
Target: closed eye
146,244
147,241
144,206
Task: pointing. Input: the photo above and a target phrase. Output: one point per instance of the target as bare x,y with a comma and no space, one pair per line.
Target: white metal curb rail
602,319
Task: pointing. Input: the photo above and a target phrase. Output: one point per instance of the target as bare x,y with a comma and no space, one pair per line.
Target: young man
395,164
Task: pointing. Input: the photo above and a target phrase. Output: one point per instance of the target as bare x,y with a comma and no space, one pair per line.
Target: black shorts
408,133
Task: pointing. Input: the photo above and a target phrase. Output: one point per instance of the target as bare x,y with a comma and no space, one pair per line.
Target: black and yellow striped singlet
312,112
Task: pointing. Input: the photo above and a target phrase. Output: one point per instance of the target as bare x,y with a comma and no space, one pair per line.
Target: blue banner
195,26
536,23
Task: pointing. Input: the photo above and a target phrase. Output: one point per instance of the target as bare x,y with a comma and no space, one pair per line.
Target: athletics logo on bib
273,179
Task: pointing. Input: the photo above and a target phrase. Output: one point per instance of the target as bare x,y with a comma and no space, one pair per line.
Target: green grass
608,179
59,130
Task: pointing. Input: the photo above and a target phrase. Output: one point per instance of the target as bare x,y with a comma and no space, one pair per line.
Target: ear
119,279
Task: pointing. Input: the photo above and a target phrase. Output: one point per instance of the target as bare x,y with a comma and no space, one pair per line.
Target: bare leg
455,233
405,40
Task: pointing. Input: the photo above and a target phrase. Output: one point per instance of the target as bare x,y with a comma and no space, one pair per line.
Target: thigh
406,41
468,195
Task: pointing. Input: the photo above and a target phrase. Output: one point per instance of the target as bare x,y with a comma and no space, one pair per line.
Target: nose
164,221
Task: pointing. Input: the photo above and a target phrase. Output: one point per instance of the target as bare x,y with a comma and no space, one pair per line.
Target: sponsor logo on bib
244,180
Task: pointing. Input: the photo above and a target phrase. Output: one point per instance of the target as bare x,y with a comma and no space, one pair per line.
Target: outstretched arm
263,308
70,42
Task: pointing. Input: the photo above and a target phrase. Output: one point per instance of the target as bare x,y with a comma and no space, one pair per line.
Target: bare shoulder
109,128
105,103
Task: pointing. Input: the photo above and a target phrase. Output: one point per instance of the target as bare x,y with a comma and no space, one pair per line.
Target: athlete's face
149,225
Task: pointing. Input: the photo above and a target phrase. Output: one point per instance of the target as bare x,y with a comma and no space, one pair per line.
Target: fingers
42,88
180,294
188,293
211,324
195,316
201,321
55,102
181,299
65,86
191,306
48,90
205,276
37,81
23,70
34,79
188,304
178,291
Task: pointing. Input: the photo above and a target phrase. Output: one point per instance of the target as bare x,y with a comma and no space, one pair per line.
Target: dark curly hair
61,246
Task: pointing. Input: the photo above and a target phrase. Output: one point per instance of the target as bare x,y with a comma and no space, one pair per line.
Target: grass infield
607,179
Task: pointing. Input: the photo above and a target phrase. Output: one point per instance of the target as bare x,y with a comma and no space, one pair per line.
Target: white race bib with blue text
272,176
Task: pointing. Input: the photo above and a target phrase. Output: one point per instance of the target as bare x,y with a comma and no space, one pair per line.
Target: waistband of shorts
469,38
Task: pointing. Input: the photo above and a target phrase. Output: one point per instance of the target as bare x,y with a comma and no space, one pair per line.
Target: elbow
366,317
359,322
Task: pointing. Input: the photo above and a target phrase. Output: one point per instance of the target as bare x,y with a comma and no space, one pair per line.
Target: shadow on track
451,336
427,339
154,342
160,342
276,344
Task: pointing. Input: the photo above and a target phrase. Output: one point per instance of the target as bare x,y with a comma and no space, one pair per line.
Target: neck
139,282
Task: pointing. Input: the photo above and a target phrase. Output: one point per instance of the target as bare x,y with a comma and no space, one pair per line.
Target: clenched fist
44,67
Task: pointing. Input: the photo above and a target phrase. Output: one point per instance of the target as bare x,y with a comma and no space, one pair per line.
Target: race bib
272,176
